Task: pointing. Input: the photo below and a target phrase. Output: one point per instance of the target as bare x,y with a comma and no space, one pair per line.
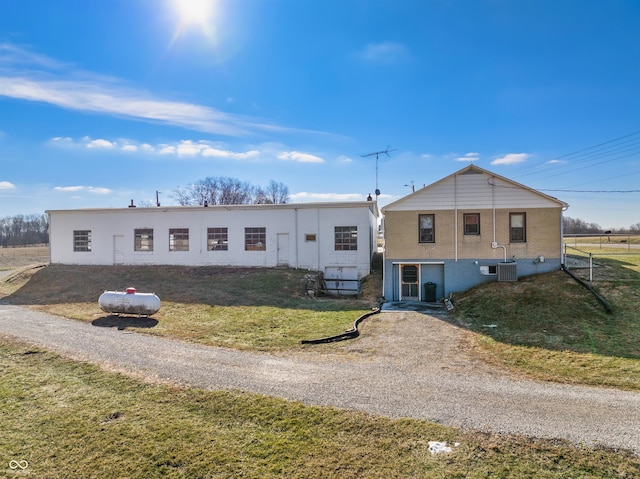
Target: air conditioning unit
507,271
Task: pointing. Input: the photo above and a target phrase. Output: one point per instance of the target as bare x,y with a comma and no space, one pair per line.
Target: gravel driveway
405,364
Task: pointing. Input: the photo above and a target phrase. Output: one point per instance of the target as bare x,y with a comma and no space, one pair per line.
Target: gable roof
469,170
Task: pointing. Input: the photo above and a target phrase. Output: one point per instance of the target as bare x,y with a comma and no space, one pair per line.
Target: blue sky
106,101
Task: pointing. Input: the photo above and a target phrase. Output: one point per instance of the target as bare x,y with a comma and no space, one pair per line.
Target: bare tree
21,230
230,191
277,193
578,226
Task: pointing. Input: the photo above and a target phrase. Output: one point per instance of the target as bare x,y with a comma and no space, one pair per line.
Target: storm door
409,282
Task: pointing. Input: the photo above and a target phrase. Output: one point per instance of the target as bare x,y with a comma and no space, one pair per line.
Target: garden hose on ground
348,334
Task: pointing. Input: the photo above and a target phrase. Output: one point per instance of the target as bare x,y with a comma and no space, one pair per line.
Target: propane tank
129,302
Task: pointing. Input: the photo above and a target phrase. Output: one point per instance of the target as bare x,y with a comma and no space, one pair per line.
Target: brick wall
543,234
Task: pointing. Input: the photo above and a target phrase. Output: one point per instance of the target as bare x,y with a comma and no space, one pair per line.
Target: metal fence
580,252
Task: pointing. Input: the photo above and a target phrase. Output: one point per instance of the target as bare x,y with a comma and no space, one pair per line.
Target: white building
338,239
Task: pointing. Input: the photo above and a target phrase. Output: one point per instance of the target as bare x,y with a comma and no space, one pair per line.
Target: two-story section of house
468,228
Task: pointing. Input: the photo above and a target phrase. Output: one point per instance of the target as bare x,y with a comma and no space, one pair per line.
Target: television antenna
377,154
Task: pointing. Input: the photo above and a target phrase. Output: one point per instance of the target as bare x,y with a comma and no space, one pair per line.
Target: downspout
493,207
297,238
455,217
494,243
319,236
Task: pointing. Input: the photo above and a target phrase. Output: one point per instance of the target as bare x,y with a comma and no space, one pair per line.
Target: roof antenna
377,153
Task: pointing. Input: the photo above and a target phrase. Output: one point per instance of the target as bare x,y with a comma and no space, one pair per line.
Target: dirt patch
413,340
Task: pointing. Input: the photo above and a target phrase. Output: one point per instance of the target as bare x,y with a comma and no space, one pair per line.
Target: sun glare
194,11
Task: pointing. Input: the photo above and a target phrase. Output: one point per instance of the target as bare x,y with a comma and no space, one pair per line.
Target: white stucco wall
287,227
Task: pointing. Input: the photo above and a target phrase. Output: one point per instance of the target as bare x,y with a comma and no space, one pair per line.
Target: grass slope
551,327
235,307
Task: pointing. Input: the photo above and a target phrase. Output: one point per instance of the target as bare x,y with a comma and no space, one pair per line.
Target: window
143,239
217,239
310,237
346,238
471,223
517,227
427,228
255,239
489,269
82,240
179,239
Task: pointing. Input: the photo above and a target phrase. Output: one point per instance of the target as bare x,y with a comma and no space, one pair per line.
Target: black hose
593,291
348,334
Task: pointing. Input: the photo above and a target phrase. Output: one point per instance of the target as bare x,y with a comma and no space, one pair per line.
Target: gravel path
405,364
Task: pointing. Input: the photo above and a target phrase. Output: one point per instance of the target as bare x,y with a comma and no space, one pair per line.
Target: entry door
283,249
409,282
118,249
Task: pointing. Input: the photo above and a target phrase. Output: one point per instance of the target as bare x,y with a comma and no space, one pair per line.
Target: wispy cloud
511,159
31,77
385,52
469,157
88,189
5,185
300,157
182,149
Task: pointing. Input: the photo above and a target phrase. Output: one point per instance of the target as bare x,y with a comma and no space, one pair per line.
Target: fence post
590,267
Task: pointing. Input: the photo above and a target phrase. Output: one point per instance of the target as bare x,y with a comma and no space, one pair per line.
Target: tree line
574,226
24,230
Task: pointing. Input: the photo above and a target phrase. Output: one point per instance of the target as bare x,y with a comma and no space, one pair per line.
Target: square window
255,239
217,239
143,239
179,239
426,226
346,238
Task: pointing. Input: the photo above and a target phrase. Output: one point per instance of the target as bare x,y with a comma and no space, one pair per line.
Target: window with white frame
82,240
179,239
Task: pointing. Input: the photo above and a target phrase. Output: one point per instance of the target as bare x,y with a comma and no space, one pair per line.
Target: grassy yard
551,327
68,419
242,308
545,326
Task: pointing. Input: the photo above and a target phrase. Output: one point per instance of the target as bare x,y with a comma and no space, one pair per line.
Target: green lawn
551,327
71,420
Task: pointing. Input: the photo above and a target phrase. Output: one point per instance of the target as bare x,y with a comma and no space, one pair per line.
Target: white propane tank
129,302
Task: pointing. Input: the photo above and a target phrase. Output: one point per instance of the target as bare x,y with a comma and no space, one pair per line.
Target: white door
283,249
118,249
